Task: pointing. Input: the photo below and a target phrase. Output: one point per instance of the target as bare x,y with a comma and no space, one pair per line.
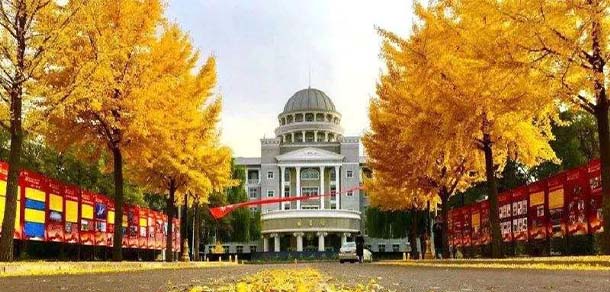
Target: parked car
347,253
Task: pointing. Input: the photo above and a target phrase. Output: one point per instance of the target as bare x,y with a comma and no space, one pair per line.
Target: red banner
55,211
110,222
577,195
87,221
556,206
475,219
485,237
505,215
467,226
537,213
101,220
71,205
595,200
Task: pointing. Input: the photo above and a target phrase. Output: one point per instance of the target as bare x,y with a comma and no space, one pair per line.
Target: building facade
309,156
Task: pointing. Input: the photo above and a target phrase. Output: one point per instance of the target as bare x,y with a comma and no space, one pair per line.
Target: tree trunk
492,193
117,248
197,231
169,245
604,153
16,132
184,226
444,214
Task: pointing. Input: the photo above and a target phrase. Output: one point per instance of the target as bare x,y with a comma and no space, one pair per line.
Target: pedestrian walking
360,247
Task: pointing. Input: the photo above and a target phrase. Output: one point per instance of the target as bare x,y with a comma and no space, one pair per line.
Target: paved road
392,277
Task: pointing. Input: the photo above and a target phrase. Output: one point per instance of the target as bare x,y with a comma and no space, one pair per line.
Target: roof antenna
309,86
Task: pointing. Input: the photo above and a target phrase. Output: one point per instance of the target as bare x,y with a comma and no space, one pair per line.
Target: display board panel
505,215
176,235
72,209
457,227
159,232
3,177
556,203
125,228
55,211
475,219
101,220
151,229
133,219
485,224
450,232
577,195
87,220
110,222
467,226
143,228
520,199
537,210
34,196
596,217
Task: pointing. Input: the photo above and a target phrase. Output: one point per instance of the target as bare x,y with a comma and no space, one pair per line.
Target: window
286,191
333,175
270,175
350,194
286,176
253,192
270,194
253,248
239,249
333,192
381,248
395,247
226,248
309,191
349,174
310,174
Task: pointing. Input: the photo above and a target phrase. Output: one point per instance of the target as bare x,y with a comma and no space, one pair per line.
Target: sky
266,49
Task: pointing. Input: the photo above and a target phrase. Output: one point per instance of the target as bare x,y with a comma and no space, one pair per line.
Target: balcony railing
253,181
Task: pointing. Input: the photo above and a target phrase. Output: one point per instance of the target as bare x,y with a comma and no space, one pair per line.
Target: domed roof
309,99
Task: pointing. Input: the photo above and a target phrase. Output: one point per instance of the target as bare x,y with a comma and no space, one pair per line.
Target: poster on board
87,221
71,207
34,198
556,227
159,231
55,211
457,227
125,227
596,217
101,220
505,215
577,194
467,227
133,224
151,229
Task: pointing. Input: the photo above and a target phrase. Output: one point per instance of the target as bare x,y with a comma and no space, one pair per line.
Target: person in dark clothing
360,247
438,237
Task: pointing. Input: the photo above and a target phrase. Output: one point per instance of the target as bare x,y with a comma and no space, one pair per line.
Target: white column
344,238
322,198
299,236
292,140
281,186
325,136
338,186
298,172
276,243
304,137
265,244
321,241
315,136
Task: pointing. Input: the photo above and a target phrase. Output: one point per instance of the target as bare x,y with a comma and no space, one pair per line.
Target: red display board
55,211
143,228
87,220
556,204
176,235
520,199
450,232
151,230
101,220
537,210
125,227
467,227
485,234
505,215
133,222
159,233
577,195
34,206
72,208
475,223
595,199
457,227
3,184
110,222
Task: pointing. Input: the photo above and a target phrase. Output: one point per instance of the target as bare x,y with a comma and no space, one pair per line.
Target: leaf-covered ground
289,280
